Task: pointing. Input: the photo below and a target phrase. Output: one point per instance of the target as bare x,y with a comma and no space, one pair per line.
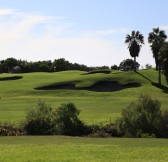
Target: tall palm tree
156,39
134,41
163,60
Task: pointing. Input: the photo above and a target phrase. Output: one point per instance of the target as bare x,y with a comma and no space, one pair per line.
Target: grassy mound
91,93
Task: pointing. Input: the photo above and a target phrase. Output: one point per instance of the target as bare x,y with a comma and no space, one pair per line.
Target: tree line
12,65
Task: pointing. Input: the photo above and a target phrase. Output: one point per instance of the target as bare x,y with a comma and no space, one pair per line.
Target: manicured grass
17,95
96,107
63,149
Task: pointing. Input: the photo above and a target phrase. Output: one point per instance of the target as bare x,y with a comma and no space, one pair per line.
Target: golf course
100,97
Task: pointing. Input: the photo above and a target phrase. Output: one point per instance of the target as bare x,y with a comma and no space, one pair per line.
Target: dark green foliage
11,65
128,64
156,39
140,117
39,120
165,69
114,67
165,124
148,66
163,57
134,49
8,64
61,121
108,130
67,121
134,41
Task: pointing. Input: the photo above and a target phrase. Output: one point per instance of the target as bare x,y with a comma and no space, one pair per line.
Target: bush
61,121
141,117
7,129
39,120
128,64
108,130
67,121
165,124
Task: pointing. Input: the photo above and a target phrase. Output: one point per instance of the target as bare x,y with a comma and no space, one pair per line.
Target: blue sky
90,32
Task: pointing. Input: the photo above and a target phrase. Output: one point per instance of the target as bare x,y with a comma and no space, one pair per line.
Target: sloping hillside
99,96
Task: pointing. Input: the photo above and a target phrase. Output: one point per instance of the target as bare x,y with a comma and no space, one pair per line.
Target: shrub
7,129
128,64
99,130
67,121
61,121
165,124
39,120
140,117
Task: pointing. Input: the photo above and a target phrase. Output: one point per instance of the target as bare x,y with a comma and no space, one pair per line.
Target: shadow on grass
144,77
162,87
98,72
11,78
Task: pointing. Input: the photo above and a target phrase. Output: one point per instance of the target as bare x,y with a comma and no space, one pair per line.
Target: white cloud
104,33
6,12
164,27
33,37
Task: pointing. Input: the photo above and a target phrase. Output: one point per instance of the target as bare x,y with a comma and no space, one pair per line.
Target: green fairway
63,149
17,95
96,107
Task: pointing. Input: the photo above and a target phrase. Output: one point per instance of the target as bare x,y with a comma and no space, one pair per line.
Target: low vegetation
142,118
45,120
7,129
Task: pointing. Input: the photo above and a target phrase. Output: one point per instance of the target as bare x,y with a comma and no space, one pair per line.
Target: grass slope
16,95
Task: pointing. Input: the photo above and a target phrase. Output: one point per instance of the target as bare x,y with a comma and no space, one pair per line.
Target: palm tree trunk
135,64
157,64
159,76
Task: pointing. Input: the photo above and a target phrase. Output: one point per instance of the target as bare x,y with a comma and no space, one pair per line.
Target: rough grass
63,149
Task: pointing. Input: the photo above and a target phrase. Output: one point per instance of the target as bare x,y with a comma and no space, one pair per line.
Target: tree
61,64
128,64
9,64
134,41
114,67
67,120
163,59
156,39
148,66
141,117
